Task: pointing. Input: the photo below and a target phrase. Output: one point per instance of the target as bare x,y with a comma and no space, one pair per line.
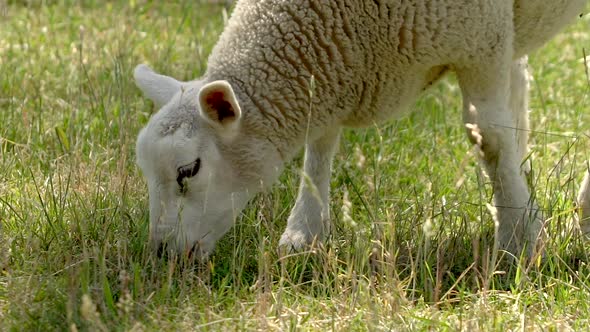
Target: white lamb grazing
219,140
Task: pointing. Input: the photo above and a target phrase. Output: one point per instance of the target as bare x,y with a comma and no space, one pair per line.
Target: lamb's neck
272,76
256,160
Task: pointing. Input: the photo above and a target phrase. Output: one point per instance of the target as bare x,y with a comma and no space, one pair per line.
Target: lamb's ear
220,107
159,88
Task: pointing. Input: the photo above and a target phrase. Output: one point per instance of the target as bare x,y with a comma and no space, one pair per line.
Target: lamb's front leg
309,220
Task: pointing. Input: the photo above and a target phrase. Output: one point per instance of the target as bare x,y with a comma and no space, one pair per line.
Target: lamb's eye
187,171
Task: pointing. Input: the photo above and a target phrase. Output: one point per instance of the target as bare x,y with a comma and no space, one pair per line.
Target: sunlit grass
412,238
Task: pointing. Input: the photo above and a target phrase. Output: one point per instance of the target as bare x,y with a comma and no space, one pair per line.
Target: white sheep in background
219,140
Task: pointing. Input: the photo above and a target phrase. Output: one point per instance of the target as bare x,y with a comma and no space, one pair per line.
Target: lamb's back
369,59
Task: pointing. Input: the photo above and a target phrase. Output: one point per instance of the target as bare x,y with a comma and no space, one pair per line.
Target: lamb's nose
197,252
193,251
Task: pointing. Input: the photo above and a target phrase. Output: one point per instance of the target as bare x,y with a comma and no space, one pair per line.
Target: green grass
411,253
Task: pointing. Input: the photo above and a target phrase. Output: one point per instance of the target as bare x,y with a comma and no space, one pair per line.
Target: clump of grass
411,246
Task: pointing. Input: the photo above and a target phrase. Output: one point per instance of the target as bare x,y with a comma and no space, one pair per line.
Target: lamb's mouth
195,251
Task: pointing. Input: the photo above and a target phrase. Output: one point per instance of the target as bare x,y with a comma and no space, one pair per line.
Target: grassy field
411,246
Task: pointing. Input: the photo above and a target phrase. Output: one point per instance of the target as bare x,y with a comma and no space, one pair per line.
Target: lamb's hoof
532,252
293,241
530,245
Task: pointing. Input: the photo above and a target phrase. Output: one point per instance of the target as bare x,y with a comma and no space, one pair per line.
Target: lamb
219,140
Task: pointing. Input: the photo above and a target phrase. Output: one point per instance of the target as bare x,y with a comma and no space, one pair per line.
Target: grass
412,237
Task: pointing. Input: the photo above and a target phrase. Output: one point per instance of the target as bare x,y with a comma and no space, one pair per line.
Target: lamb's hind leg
492,124
309,220
518,105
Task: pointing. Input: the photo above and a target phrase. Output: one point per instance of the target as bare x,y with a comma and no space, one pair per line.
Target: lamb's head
187,154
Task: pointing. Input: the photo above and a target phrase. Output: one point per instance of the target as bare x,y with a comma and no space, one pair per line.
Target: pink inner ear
221,108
